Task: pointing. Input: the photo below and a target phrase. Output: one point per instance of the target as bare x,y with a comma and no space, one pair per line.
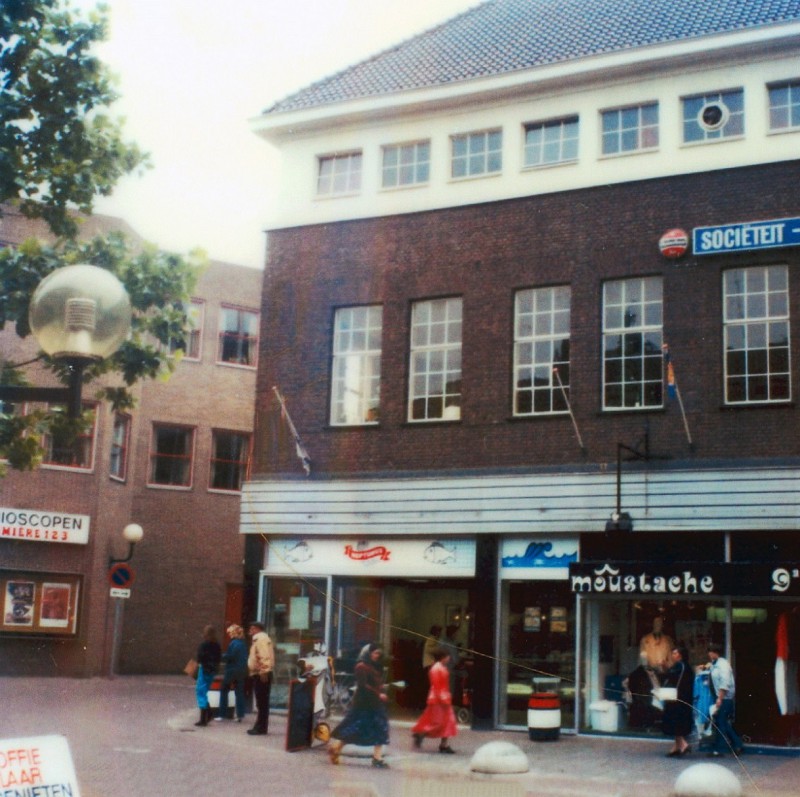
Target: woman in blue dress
208,658
367,720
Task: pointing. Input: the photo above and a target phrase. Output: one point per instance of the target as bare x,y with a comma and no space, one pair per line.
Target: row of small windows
171,462
755,332
237,339
706,117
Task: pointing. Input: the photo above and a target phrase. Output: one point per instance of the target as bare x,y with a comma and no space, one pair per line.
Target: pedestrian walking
209,654
234,676
678,713
260,663
367,720
723,686
438,721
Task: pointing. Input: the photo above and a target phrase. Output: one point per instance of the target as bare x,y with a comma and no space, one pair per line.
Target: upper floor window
171,452
120,437
190,345
551,142
61,448
633,362
541,344
406,164
356,386
238,336
435,383
784,105
476,153
630,129
707,117
756,327
230,459
339,174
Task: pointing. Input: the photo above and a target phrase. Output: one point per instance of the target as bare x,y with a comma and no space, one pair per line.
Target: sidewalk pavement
135,736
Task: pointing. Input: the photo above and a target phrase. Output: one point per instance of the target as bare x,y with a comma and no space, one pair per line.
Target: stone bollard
707,780
499,758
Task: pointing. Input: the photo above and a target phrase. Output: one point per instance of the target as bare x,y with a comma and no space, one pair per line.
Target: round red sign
674,243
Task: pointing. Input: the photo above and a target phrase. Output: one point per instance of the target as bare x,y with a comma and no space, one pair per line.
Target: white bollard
707,780
499,758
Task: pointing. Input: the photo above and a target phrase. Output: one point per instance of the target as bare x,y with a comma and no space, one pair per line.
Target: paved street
134,736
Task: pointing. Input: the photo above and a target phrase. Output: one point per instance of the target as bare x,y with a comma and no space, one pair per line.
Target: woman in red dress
438,721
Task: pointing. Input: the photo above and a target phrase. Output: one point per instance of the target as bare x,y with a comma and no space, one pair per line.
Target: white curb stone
499,758
707,780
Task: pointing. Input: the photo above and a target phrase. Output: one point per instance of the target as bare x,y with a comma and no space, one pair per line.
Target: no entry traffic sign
121,575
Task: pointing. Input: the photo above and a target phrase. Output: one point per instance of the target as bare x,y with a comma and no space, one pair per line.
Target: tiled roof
502,36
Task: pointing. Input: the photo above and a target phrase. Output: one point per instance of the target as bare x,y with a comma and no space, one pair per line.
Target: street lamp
132,533
79,315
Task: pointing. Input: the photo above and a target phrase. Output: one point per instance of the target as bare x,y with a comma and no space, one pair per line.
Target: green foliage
59,148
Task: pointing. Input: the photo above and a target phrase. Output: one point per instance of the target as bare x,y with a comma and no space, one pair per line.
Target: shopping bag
191,668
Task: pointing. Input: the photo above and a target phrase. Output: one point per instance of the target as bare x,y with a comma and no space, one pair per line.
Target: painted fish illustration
438,554
301,552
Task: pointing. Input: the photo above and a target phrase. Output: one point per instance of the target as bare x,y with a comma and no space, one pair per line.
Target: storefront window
296,618
538,633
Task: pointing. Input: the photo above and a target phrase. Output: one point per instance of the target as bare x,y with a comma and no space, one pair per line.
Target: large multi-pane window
230,457
784,105
555,141
630,129
190,345
339,174
756,324
63,448
708,117
435,378
238,336
633,364
120,437
476,153
356,368
171,452
541,350
406,164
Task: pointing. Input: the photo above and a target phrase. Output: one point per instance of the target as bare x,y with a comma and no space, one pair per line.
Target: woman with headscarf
367,721
209,655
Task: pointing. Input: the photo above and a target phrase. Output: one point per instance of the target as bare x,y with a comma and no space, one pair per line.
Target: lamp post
132,533
79,315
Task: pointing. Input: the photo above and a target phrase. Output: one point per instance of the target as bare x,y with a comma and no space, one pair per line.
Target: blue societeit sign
746,236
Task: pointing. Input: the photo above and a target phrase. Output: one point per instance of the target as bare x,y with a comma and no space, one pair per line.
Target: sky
193,73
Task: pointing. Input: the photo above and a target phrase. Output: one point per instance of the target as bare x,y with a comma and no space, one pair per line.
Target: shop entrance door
360,613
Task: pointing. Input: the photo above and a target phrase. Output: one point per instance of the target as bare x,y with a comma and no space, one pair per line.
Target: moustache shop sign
685,578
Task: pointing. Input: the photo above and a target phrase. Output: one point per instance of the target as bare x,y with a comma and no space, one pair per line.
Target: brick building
174,465
531,295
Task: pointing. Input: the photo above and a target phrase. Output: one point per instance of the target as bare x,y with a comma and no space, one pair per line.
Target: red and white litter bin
544,716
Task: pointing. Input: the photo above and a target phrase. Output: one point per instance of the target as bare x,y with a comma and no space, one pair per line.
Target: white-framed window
230,460
630,129
541,344
339,174
784,105
476,153
633,360
435,372
194,334
238,336
406,164
62,450
120,442
756,335
713,116
554,141
171,455
356,367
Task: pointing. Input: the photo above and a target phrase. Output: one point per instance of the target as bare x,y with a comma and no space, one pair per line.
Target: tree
59,150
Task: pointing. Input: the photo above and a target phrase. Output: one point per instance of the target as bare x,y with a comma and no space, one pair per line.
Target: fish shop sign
645,578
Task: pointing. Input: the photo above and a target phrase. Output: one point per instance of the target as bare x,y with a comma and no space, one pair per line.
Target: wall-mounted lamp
132,533
79,315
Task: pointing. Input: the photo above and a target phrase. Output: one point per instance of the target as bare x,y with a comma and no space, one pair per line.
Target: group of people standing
240,663
678,719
